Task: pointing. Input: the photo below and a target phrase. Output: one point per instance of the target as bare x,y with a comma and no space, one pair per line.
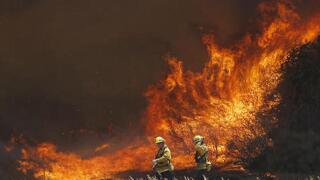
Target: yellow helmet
197,138
159,139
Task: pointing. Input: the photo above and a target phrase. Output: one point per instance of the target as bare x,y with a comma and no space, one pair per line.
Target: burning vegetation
226,102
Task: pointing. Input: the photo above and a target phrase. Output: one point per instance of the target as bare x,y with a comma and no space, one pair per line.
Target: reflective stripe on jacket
163,159
201,155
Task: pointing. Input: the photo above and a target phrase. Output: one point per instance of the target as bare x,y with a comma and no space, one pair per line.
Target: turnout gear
159,140
168,175
162,161
201,157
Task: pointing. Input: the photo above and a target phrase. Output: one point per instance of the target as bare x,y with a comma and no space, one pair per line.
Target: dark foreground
189,175
226,175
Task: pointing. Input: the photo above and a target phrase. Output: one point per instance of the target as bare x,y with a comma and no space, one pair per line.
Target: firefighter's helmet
159,139
197,138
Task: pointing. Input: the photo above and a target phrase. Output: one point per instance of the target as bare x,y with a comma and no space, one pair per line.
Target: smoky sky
68,65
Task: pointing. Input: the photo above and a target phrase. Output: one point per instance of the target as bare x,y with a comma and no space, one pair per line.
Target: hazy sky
70,64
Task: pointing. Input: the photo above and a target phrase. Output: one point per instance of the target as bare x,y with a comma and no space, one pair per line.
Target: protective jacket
163,160
201,156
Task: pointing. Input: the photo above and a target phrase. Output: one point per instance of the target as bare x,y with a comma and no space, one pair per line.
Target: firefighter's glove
154,162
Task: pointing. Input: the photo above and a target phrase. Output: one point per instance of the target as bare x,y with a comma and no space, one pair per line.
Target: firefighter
201,157
162,162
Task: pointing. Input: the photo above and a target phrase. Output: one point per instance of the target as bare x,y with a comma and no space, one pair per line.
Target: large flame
221,103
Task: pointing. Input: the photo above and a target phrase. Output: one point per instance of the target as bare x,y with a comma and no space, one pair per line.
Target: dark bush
296,140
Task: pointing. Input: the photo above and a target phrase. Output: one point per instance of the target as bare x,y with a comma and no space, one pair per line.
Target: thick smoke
75,66
71,65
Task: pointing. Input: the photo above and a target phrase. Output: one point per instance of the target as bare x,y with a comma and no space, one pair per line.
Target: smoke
74,71
70,65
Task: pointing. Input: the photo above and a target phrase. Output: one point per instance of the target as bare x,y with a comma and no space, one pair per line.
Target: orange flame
221,103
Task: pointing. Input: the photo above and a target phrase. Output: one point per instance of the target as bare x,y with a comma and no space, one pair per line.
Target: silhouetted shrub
296,140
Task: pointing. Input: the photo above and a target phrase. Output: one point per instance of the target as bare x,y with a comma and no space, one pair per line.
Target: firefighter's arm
200,151
166,157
